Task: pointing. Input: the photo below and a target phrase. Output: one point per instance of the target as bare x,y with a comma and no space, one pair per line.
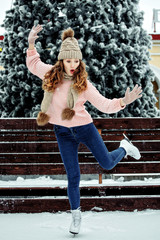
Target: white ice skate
130,149
76,221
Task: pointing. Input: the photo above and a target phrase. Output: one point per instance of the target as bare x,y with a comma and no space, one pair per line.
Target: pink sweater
59,100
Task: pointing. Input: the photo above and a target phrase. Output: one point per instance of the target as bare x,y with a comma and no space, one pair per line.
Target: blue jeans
68,142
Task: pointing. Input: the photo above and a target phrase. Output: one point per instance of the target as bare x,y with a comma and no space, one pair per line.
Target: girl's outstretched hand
33,33
133,95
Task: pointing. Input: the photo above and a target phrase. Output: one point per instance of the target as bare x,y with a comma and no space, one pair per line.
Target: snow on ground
103,225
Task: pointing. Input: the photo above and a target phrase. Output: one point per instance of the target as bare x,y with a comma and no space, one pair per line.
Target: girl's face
70,65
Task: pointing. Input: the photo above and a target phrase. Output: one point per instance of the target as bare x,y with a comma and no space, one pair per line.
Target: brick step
38,205
117,190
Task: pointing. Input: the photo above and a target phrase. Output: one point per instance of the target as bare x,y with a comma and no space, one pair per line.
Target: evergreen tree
113,43
21,91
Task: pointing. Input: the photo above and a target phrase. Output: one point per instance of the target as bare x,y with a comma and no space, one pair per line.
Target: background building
155,55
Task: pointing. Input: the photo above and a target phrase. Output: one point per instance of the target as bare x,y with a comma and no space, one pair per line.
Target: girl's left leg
94,142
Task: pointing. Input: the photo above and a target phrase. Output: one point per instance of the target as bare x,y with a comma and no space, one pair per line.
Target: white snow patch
47,181
103,225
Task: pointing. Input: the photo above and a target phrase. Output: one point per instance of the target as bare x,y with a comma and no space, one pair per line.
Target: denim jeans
68,142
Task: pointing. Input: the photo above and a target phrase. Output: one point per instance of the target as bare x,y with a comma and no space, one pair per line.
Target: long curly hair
53,78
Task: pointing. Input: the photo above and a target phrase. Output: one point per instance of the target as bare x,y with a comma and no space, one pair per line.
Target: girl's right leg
68,147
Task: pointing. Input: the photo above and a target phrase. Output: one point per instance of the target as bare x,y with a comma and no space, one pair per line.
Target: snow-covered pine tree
21,92
117,54
114,47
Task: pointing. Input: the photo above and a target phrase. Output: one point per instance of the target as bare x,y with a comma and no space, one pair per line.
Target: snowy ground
104,225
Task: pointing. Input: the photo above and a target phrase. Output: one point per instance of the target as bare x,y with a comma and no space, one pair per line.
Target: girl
66,90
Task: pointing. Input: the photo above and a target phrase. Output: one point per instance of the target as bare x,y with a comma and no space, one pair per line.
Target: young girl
66,90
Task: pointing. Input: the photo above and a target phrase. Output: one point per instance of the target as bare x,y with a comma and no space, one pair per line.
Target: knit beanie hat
69,48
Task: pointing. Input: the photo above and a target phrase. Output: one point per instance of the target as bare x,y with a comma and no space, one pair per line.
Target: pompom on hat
69,48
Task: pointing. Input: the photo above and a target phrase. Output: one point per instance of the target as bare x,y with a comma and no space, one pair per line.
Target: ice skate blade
126,138
74,234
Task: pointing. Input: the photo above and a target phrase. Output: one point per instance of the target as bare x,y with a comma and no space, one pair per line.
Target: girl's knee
107,166
108,163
